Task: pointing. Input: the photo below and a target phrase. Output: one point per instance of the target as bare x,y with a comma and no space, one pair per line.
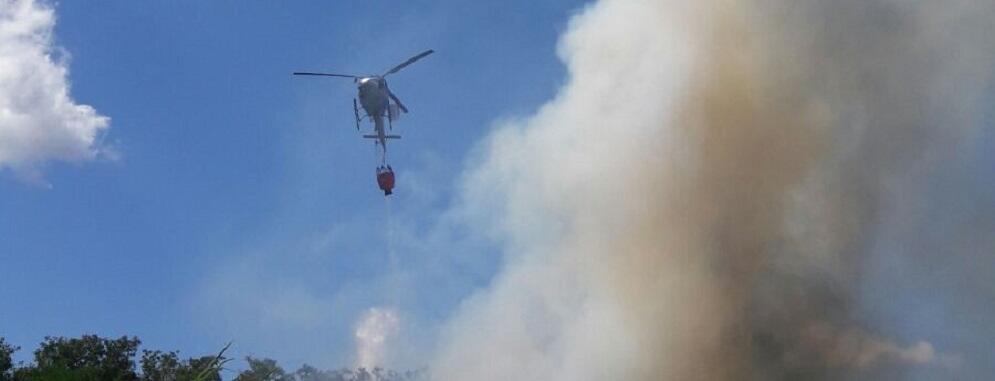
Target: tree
166,366
92,358
87,356
310,373
6,361
208,368
56,373
160,366
263,370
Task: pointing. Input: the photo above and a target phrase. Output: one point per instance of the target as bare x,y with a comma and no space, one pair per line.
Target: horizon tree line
94,358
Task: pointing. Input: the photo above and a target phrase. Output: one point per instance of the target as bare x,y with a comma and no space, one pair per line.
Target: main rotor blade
327,75
398,101
409,62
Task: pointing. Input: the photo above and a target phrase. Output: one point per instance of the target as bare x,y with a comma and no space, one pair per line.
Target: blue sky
224,155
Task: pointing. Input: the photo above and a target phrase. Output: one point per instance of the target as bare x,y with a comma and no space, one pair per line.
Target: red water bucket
385,179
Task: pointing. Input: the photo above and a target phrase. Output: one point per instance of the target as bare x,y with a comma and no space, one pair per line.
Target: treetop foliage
93,358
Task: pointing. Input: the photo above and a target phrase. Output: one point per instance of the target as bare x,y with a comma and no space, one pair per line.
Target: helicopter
377,100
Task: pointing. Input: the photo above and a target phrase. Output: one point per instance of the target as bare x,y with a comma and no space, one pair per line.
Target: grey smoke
701,199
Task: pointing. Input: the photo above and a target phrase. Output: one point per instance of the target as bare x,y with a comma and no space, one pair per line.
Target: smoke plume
374,330
700,200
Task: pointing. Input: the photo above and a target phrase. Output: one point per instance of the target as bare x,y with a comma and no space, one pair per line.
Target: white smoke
373,332
39,121
705,189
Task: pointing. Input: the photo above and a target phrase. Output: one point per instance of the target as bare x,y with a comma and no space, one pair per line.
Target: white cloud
39,121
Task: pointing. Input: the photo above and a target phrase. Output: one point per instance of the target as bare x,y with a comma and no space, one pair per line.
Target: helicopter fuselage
373,96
